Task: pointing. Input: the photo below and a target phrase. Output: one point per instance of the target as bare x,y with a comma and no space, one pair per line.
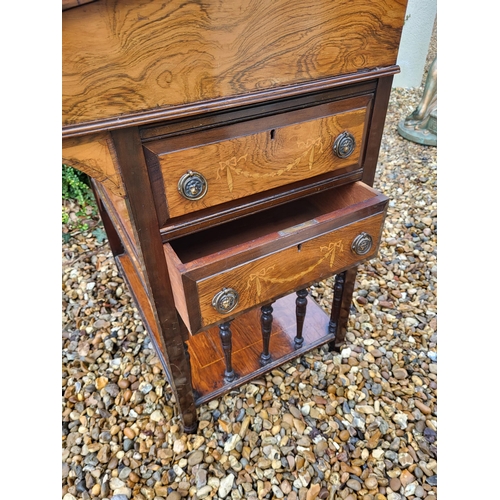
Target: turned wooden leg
300,313
146,226
341,306
338,288
192,427
266,323
225,337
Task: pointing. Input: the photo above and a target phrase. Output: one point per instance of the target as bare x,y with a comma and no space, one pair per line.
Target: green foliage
100,234
75,186
79,205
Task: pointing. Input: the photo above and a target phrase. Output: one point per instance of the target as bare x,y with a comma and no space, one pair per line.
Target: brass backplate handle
344,145
192,185
225,300
362,244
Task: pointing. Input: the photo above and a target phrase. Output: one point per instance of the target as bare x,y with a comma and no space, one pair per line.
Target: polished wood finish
266,323
227,347
253,95
260,264
338,289
214,50
94,155
262,154
300,315
140,205
345,307
207,358
69,4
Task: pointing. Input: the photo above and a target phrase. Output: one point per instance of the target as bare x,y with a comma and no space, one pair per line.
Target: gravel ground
359,424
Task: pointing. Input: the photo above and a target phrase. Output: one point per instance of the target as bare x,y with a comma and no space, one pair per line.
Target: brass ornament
344,145
225,300
362,244
192,185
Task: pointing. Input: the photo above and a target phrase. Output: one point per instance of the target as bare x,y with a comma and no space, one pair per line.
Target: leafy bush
76,186
79,205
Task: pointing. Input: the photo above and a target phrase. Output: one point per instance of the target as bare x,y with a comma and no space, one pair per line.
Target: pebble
195,458
395,484
316,423
225,486
175,495
204,491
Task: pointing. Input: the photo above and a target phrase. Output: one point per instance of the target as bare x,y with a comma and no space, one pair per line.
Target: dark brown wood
145,225
118,215
277,106
266,324
380,104
114,240
338,290
345,308
225,337
208,359
300,314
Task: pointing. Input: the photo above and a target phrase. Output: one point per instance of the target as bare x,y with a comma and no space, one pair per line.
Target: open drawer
220,272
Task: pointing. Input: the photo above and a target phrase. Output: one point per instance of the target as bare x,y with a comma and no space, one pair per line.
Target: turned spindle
300,313
266,323
225,337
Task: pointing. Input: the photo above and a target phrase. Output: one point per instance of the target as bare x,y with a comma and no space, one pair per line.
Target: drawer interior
276,222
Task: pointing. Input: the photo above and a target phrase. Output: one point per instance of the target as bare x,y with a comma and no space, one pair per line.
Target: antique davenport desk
232,146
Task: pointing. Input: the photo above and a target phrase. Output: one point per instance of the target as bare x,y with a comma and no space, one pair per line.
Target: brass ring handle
344,145
192,185
362,244
225,300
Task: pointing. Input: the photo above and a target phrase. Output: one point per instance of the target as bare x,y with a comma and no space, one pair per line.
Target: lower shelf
207,358
206,355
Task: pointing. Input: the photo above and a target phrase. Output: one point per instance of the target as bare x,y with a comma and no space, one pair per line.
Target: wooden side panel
255,163
175,269
127,56
93,154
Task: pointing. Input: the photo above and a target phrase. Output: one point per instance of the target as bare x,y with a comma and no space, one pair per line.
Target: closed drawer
203,169
223,271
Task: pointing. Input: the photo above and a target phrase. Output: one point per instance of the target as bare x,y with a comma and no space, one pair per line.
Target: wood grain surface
94,155
273,275
272,253
255,163
127,56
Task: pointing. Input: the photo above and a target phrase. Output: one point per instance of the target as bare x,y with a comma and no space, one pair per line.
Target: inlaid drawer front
212,288
231,162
